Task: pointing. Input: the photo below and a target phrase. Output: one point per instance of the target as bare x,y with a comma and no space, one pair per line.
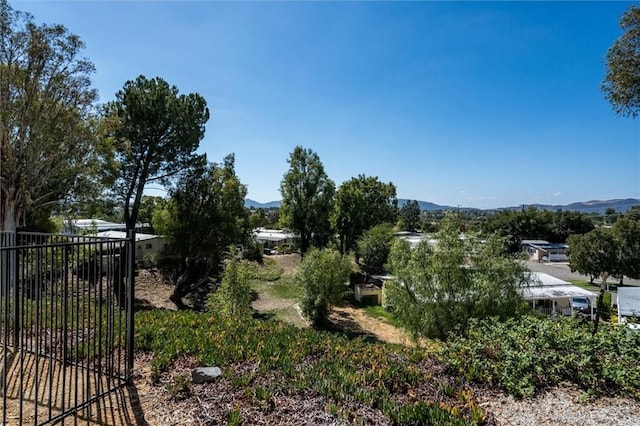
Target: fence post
131,254
14,269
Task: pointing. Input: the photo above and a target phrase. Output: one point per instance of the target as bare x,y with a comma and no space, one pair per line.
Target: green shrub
526,355
323,276
233,297
269,270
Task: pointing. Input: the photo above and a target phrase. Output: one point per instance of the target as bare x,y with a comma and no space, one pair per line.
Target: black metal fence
66,331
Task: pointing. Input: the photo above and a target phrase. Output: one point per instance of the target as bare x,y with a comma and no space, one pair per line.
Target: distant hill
256,205
594,206
425,205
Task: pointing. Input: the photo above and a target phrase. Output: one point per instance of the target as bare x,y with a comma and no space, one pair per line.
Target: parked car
581,304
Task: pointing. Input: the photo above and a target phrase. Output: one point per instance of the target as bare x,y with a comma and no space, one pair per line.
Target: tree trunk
304,244
603,286
194,275
10,216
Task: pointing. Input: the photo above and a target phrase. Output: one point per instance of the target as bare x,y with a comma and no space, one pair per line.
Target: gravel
564,405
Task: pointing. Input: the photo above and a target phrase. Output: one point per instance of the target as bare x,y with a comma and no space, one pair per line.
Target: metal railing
66,330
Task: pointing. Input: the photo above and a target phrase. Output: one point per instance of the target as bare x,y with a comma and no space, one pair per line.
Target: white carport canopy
543,286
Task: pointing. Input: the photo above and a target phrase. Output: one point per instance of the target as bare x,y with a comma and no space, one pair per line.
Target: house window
148,246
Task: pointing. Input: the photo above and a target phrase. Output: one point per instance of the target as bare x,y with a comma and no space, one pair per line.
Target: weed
179,389
234,417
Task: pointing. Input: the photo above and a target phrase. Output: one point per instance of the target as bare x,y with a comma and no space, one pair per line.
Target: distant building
84,226
544,251
76,226
148,246
270,239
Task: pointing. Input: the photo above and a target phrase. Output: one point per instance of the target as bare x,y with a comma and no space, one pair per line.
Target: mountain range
594,206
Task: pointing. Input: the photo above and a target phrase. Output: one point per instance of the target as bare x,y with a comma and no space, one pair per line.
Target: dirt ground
345,317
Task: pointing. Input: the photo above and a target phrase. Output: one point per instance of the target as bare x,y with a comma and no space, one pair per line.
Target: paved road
561,270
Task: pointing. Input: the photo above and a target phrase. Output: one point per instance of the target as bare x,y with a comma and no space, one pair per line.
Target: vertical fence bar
130,305
13,284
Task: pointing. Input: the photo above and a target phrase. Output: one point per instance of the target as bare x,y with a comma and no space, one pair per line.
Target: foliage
269,270
380,376
410,216
566,223
322,275
439,287
148,206
206,215
40,220
233,298
518,225
252,251
48,150
362,203
527,355
155,132
593,254
633,213
206,212
374,247
621,85
264,218
604,252
627,234
531,223
307,198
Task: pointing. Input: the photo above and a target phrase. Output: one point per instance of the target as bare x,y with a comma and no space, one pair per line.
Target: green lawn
277,291
282,288
586,285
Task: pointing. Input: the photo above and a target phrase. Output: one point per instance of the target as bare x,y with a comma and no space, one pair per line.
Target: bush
323,276
233,297
374,247
526,355
269,270
252,253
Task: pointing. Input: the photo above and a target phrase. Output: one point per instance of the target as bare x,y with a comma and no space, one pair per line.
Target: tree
48,151
155,132
438,288
627,235
621,84
610,215
323,276
206,215
566,223
362,203
633,213
232,299
307,198
374,247
593,254
519,225
148,205
410,216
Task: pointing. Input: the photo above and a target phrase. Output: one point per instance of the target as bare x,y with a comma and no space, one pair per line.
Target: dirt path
347,317
356,320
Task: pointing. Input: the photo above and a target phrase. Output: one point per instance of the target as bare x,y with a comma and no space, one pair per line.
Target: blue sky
479,104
